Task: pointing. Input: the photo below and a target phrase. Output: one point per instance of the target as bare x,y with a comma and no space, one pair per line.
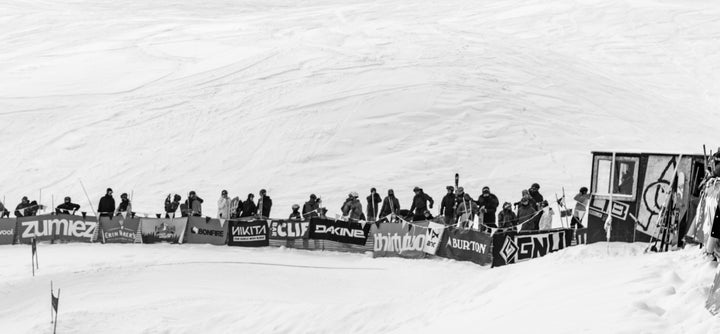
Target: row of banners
415,240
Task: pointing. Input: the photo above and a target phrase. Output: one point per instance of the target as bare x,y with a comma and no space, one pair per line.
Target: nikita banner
7,231
203,230
163,230
466,245
119,230
66,228
394,239
288,229
339,231
253,233
511,247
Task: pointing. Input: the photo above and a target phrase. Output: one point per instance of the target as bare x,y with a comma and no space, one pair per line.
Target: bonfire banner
203,230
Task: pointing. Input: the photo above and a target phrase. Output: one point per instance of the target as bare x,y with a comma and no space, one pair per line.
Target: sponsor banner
163,230
511,246
253,233
340,231
119,230
713,302
289,229
394,239
433,238
7,231
466,245
203,230
67,228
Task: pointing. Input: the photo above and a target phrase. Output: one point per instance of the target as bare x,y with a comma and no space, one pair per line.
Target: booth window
624,182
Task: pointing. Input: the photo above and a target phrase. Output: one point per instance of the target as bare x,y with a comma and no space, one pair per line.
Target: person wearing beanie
248,207
106,206
311,208
125,206
171,206
419,208
264,204
488,204
535,195
352,208
224,205
67,207
507,218
447,206
391,205
373,203
194,204
24,209
295,215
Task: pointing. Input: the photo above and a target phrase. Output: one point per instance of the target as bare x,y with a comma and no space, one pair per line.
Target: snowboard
234,204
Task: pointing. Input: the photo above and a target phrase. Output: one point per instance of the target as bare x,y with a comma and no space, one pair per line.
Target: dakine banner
339,231
433,237
7,231
66,228
288,229
119,230
466,245
511,247
163,230
394,239
203,230
249,233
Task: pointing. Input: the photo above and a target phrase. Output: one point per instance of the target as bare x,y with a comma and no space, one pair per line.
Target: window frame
596,176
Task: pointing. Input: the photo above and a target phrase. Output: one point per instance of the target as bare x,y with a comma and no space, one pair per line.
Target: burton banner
249,233
340,231
163,230
203,230
511,247
119,230
394,239
289,229
466,245
65,228
7,231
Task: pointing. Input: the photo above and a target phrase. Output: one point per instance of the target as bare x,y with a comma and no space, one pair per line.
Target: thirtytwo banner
394,239
339,231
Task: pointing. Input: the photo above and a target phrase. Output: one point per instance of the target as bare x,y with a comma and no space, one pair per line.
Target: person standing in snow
352,208
526,212
224,205
465,207
372,207
311,208
24,208
419,208
194,204
447,206
248,207
295,215
535,195
582,199
4,211
67,207
171,206
125,206
488,204
507,218
264,204
546,216
391,205
106,206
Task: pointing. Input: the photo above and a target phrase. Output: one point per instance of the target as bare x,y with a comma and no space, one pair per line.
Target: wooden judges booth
638,185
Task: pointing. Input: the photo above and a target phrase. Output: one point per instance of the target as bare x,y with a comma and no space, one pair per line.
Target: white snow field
328,97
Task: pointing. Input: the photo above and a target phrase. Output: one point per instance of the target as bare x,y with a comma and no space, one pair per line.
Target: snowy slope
206,289
337,96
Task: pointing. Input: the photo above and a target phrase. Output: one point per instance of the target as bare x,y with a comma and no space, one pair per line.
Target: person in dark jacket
67,207
391,205
172,206
488,204
4,211
447,206
106,207
352,208
264,204
526,211
419,207
124,206
373,203
248,207
295,214
311,208
194,204
462,201
24,209
536,196
507,218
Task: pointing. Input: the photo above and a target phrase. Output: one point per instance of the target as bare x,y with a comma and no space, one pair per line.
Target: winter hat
525,192
416,189
177,197
313,197
391,192
535,185
108,190
507,205
372,190
450,188
224,192
263,191
67,199
486,189
124,195
354,194
461,189
584,190
295,207
192,192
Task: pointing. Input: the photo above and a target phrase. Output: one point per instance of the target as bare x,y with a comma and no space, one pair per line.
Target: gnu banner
289,229
392,239
511,247
7,231
339,231
249,233
163,230
466,245
202,230
65,228
119,230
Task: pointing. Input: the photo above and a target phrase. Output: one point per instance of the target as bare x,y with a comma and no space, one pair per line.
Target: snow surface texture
209,289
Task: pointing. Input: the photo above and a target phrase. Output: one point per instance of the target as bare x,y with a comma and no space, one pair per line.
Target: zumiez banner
119,230
466,245
7,231
249,233
511,247
339,231
392,239
67,228
203,230
289,229
163,230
